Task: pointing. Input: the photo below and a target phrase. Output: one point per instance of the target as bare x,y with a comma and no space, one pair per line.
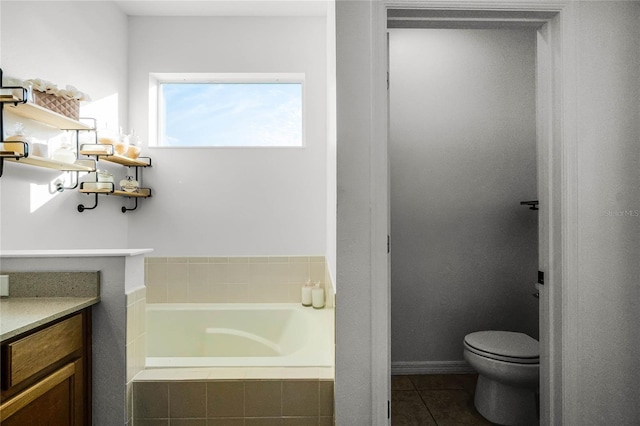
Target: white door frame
557,191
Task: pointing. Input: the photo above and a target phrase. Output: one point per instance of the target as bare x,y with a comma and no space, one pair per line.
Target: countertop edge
85,303
74,253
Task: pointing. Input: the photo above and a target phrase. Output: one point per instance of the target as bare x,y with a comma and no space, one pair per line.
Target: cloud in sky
232,114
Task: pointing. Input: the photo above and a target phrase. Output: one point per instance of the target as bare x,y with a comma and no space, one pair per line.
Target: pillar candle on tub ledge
317,297
306,293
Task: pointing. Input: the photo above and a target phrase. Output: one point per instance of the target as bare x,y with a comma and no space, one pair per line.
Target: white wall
217,202
462,152
354,376
65,43
332,147
608,295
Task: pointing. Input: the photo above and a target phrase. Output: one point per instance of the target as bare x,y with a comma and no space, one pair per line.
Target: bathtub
238,335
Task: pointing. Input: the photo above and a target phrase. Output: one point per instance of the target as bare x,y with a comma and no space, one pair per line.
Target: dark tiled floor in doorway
434,400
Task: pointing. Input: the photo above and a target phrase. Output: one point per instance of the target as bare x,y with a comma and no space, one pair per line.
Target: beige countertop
20,314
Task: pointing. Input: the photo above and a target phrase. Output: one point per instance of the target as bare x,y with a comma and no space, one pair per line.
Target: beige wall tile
155,274
238,293
258,293
141,317
155,260
218,273
177,292
131,323
150,400
316,271
177,260
178,273
263,398
326,397
130,354
165,279
157,294
198,274
298,273
300,398
326,421
263,422
151,422
279,273
300,421
187,400
188,422
226,422
142,294
259,273
140,353
225,399
279,293
294,294
200,292
328,287
129,401
219,293
238,273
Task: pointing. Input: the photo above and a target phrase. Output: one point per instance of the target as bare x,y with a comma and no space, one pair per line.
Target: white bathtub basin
239,335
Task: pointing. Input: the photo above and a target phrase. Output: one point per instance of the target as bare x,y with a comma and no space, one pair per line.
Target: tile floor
434,400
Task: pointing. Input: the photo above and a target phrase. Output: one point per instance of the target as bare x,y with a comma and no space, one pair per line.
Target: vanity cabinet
46,374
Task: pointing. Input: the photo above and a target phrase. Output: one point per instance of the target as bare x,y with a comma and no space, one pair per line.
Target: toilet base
504,404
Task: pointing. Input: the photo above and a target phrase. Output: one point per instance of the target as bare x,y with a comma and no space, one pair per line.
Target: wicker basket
67,107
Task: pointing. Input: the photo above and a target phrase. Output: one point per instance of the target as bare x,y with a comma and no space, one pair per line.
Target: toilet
508,367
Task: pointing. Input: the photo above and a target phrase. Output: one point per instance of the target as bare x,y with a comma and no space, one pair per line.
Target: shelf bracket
124,209
82,208
59,184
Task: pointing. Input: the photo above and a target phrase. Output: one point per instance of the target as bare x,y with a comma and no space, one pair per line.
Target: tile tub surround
231,402
263,279
136,341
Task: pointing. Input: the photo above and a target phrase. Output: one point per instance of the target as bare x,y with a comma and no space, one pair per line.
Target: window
233,111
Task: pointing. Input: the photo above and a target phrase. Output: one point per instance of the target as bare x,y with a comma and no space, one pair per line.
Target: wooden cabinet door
51,402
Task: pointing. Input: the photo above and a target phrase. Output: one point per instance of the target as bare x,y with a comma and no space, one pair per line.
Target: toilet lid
504,345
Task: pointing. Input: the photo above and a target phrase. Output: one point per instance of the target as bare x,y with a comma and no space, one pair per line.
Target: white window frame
155,111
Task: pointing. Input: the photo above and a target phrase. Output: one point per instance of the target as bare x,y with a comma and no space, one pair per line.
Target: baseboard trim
430,367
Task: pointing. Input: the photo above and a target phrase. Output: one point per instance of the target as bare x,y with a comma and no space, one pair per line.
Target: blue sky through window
231,114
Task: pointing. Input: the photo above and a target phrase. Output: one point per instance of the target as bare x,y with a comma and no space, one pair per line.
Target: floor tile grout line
427,407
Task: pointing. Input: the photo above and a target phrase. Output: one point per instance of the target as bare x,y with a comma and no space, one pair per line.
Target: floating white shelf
104,154
78,166
142,192
46,116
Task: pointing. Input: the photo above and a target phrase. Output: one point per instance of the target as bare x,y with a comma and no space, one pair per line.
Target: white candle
317,297
306,296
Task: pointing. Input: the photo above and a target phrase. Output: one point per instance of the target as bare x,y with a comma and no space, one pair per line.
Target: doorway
547,21
462,151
